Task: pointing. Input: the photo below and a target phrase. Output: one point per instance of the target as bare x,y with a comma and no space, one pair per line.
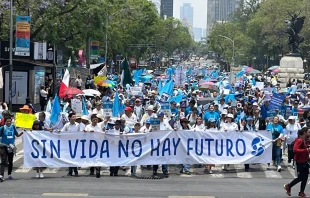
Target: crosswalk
235,171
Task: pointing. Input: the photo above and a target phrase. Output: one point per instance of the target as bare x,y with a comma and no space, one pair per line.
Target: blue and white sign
107,108
165,108
155,123
76,149
276,101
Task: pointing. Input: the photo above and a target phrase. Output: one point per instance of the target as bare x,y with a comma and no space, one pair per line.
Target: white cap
255,103
291,118
151,108
230,115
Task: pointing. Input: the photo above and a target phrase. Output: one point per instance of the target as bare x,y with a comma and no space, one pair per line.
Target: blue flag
229,97
240,73
168,88
56,109
117,106
176,99
85,112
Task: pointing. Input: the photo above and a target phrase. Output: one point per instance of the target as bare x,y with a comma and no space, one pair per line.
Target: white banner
80,149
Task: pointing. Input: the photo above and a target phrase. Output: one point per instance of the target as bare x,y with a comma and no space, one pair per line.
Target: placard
165,108
155,123
24,120
164,97
260,85
107,108
271,114
76,105
136,91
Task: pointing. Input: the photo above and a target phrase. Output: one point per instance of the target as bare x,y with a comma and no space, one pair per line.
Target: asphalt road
235,183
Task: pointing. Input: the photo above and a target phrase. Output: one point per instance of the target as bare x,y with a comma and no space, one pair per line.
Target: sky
200,11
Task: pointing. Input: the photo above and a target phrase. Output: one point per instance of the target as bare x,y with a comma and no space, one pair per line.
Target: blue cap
249,118
148,121
160,114
211,120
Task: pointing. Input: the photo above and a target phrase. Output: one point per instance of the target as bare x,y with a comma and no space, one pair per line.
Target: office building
166,8
157,4
220,11
197,33
187,11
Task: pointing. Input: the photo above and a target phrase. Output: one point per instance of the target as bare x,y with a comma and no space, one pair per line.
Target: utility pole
11,56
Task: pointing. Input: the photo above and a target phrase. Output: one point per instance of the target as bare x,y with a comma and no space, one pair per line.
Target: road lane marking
22,169
217,172
65,194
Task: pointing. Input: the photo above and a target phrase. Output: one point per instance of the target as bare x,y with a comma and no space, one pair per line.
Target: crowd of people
248,111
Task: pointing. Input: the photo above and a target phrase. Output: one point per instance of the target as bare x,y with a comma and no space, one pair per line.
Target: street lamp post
233,44
11,56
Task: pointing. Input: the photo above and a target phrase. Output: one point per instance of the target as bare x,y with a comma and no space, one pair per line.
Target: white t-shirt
95,111
130,122
71,127
229,127
90,128
199,127
291,132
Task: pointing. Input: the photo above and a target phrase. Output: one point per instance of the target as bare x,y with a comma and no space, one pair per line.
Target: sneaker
279,169
10,177
166,173
301,194
223,167
1,178
76,174
187,173
287,189
41,175
210,171
37,175
69,174
97,175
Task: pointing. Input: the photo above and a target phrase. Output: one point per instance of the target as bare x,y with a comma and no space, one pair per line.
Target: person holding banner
94,127
301,150
199,125
164,126
148,115
184,167
116,130
277,135
211,114
147,127
7,147
229,125
72,126
38,127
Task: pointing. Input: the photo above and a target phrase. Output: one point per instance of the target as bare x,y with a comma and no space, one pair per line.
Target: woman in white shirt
192,117
229,125
199,125
94,127
291,135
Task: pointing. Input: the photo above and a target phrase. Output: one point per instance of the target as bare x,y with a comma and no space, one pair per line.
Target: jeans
184,167
164,168
133,170
4,157
276,153
302,176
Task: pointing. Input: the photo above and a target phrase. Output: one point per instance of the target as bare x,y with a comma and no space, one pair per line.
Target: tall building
197,33
166,8
157,4
220,11
187,11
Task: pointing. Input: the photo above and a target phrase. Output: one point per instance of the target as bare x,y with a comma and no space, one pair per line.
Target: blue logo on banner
258,147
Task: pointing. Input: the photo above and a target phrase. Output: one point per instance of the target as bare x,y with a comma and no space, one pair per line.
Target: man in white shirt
148,115
130,117
78,119
94,127
78,82
98,109
71,126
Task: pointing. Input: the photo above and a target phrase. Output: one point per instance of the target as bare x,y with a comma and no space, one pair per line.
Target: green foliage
68,23
258,27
